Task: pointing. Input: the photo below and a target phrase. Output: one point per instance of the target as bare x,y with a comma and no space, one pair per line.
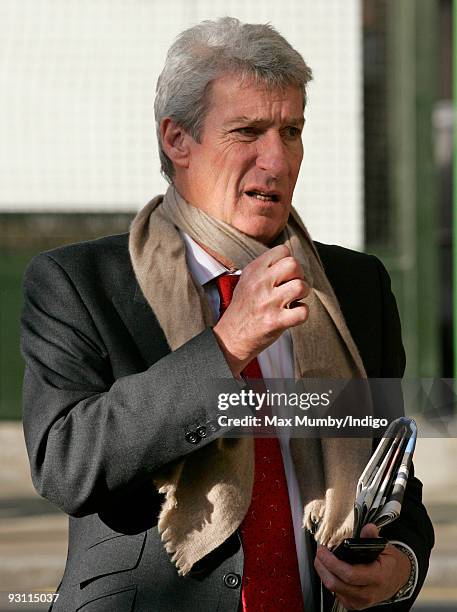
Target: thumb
369,531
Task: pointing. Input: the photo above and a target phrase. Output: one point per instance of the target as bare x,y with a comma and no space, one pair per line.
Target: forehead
233,97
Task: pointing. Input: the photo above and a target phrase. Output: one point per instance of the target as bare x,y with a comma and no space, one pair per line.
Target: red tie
271,579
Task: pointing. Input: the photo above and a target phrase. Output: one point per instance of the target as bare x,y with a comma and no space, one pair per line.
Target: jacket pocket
114,554
119,601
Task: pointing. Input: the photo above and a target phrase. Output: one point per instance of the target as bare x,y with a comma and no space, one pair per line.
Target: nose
272,155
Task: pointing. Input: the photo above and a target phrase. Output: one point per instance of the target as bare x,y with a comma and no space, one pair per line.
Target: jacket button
232,581
192,437
201,431
212,426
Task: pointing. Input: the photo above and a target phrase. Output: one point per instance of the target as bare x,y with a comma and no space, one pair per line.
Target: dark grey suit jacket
106,403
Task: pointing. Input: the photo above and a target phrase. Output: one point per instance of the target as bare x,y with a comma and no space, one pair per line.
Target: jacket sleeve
91,438
413,526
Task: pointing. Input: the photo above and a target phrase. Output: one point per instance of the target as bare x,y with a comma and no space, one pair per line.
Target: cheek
237,157
298,158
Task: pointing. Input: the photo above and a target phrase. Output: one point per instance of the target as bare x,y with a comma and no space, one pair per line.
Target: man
121,335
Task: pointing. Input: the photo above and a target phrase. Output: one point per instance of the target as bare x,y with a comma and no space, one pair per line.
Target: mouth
264,196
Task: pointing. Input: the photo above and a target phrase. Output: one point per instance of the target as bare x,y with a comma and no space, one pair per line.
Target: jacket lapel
141,323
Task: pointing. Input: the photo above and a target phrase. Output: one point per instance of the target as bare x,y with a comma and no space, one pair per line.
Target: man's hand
364,585
259,311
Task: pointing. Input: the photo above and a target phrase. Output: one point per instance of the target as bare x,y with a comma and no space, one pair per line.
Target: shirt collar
203,267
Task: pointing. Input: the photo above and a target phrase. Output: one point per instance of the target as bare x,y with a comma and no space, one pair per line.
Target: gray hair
210,49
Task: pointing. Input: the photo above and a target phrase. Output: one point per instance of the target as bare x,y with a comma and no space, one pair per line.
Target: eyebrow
259,122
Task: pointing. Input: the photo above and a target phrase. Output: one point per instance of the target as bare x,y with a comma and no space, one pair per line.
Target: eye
250,132
292,132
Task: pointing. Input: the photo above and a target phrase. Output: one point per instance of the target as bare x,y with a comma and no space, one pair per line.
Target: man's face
246,165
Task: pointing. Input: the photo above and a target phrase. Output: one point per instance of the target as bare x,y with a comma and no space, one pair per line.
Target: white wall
77,79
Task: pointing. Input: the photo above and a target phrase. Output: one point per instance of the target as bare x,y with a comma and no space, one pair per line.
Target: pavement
33,533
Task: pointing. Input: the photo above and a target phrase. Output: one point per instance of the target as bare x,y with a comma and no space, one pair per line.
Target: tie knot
226,286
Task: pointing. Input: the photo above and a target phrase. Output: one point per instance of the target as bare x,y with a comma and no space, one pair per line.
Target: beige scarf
208,492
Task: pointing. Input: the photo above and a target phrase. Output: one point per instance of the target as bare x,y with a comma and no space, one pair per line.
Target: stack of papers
381,486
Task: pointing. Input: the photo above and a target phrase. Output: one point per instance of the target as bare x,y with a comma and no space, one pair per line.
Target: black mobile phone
360,550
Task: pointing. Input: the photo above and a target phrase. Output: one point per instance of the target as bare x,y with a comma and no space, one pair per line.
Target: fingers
292,291
270,257
331,582
357,575
279,262
353,596
283,277
286,269
279,268
260,308
294,316
361,585
369,531
288,281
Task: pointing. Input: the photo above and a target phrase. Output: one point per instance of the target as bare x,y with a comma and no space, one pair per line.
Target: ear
175,142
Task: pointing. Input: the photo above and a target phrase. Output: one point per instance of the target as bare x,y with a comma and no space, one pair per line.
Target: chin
263,232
